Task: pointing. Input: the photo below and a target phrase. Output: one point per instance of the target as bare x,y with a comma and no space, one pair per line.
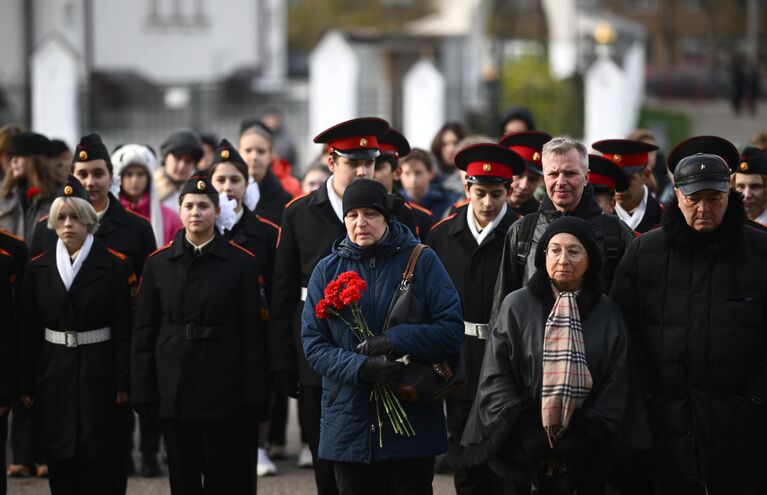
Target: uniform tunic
13,260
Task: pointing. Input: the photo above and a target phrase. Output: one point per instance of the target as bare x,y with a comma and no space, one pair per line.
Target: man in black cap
750,180
392,146
635,206
606,178
565,175
310,224
180,154
199,357
693,292
470,244
528,145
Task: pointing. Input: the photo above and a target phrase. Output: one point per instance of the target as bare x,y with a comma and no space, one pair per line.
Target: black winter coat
120,229
652,216
471,267
75,389
198,337
259,236
13,260
611,235
273,198
697,312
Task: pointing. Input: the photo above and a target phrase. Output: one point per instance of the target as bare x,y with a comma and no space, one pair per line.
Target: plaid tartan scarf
566,377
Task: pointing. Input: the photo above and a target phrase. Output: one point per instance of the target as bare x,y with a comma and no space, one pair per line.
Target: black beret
226,153
29,143
577,227
72,188
91,148
181,143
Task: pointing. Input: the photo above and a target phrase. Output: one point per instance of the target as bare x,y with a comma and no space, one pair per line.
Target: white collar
198,248
67,268
762,218
238,215
335,200
100,214
633,219
472,222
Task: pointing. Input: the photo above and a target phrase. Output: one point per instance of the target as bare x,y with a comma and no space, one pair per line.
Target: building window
177,13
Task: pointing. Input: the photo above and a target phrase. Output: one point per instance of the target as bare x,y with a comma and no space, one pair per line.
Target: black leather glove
146,410
381,370
285,383
376,345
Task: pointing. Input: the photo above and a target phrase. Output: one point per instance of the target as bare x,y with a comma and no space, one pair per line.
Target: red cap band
355,143
601,180
387,148
489,169
530,154
628,160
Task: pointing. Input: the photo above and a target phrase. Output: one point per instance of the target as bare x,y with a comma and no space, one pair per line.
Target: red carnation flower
321,310
33,192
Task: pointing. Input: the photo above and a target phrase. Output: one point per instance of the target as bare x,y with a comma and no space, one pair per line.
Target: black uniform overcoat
273,198
13,260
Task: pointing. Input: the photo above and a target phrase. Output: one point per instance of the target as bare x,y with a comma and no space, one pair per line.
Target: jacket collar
460,225
587,207
218,246
398,239
320,196
247,226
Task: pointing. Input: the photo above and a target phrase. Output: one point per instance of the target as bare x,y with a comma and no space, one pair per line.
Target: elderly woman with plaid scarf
558,400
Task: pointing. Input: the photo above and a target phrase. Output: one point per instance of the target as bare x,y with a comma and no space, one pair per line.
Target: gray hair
83,210
563,145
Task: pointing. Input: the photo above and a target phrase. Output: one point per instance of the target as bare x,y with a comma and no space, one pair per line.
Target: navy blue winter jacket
349,430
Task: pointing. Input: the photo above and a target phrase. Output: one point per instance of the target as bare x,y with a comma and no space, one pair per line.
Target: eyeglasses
572,253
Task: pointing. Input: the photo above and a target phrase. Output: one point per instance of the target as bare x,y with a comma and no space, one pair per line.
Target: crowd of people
531,313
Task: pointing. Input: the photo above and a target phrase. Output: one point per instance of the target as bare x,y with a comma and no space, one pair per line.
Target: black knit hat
72,188
366,193
226,153
574,226
28,143
91,148
183,142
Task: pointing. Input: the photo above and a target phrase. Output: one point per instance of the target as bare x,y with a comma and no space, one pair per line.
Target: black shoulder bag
421,382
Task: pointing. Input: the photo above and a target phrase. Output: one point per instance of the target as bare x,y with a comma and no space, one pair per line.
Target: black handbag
421,382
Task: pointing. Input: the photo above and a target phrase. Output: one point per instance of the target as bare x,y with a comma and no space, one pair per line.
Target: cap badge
536,156
486,167
363,142
743,166
200,185
224,154
83,155
68,189
702,166
617,158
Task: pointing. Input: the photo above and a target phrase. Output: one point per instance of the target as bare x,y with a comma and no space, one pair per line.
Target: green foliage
309,19
557,106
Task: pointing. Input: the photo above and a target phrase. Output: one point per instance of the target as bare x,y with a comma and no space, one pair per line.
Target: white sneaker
305,457
265,465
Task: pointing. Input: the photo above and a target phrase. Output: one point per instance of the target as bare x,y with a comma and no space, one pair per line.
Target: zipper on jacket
372,262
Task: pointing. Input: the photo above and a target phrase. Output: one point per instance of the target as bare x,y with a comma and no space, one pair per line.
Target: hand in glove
381,370
377,345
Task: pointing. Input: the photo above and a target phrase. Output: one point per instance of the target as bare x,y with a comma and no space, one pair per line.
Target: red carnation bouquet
344,293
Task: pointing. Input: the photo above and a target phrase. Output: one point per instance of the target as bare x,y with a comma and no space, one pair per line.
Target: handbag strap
407,275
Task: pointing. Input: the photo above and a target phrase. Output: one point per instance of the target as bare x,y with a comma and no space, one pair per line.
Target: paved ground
290,480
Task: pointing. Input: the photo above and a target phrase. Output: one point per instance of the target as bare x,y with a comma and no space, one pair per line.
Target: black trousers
3,440
150,433
209,458
479,480
310,409
278,420
406,477
81,476
25,440
665,486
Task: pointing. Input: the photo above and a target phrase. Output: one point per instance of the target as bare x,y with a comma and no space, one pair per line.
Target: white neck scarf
633,219
335,200
67,269
481,236
762,218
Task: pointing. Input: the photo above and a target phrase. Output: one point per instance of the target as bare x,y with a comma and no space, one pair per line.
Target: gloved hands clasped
377,345
381,370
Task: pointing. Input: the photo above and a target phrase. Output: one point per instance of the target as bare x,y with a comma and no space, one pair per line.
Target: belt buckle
70,339
189,331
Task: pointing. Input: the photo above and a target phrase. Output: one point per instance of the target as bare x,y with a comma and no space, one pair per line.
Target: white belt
478,330
75,339
304,292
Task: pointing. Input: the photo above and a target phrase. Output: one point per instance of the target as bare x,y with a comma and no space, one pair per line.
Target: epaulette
443,221
268,222
163,248
117,253
13,236
241,248
37,257
461,203
421,208
296,199
43,219
3,252
137,214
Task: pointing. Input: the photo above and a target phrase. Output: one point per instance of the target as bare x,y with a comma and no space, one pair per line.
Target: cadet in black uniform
199,356
470,244
392,146
75,348
528,145
606,178
13,259
635,206
310,224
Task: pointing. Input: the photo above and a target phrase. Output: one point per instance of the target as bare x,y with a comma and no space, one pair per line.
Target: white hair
563,145
83,210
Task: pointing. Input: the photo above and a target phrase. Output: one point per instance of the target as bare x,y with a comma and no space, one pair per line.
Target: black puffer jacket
696,309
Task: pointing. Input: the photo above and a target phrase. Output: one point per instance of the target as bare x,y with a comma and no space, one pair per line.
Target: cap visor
359,154
714,185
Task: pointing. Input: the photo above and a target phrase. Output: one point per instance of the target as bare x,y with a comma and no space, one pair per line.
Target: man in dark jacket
310,224
693,292
565,174
470,243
